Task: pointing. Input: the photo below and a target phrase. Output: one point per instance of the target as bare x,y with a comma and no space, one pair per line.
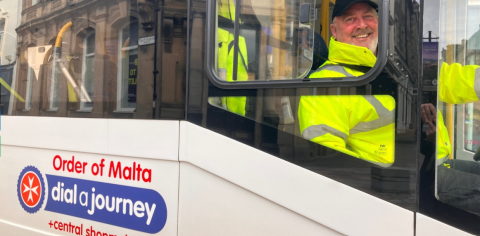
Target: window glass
28,100
87,63
285,40
362,126
276,120
272,44
90,44
127,79
88,72
2,29
458,109
54,95
471,127
315,118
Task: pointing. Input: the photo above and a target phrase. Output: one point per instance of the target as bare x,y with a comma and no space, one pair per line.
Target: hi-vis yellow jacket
457,85
226,9
361,126
342,53
444,148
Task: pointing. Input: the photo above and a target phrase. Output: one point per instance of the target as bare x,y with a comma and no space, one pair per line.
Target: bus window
267,35
273,45
92,64
362,126
458,115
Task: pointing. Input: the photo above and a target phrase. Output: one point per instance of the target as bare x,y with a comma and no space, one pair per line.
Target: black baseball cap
342,5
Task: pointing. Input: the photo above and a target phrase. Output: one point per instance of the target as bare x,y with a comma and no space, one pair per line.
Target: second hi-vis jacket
226,9
444,148
361,126
457,85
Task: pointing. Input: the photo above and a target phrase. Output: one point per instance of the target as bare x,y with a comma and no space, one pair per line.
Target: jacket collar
350,54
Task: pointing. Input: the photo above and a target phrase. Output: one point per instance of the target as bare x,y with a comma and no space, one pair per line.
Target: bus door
278,81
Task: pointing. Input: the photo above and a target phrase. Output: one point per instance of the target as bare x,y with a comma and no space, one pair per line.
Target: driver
361,126
353,46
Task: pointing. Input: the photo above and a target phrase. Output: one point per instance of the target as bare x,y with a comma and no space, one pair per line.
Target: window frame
383,28
119,108
84,108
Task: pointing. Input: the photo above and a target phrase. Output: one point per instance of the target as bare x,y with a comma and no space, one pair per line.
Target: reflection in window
472,57
267,44
2,28
88,70
458,132
362,126
28,97
472,128
90,61
127,70
54,96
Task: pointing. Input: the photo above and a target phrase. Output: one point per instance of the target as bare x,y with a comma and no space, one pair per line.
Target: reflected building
9,20
95,66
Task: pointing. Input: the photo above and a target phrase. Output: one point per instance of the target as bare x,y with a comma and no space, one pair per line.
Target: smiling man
360,126
353,46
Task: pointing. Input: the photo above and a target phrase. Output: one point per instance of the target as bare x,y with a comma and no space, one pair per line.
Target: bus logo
31,189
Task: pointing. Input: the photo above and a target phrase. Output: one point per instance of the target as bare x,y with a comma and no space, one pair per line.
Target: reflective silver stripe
443,159
379,163
476,83
379,108
314,131
336,68
386,117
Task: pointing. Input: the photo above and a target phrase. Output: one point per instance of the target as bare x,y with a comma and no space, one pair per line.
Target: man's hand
429,113
429,116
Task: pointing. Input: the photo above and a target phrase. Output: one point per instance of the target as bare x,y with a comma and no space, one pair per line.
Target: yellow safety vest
459,84
361,126
444,148
341,53
226,9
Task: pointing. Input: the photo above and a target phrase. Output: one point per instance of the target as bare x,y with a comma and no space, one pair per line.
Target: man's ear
334,31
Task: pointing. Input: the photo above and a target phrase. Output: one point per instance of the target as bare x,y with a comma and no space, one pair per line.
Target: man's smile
362,36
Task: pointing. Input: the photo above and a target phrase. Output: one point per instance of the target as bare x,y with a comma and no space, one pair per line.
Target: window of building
88,77
127,69
54,95
1,40
2,29
28,97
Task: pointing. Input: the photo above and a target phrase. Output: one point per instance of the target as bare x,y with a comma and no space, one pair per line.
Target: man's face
357,26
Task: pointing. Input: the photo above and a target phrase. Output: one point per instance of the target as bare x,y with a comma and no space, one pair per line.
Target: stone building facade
97,68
